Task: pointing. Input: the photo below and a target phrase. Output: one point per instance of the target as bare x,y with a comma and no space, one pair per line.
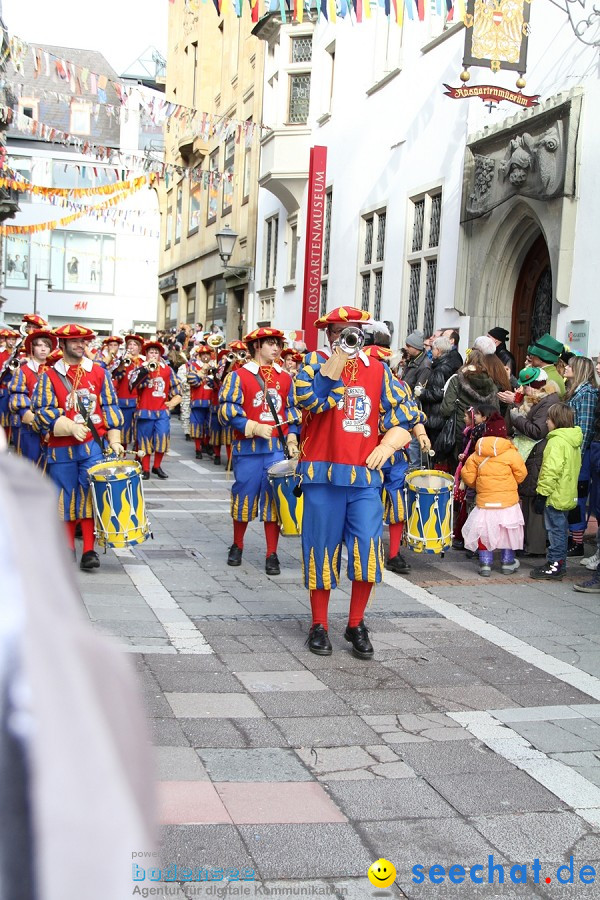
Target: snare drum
118,500
283,478
429,511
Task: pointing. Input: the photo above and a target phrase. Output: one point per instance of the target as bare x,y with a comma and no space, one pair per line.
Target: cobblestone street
475,731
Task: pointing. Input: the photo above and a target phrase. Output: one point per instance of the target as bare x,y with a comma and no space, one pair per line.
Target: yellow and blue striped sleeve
174,385
44,405
316,393
396,405
231,403
293,416
110,404
18,399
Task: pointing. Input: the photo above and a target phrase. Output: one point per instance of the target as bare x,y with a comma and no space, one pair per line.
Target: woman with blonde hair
582,397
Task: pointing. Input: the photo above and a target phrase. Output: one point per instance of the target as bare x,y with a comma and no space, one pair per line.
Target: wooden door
532,303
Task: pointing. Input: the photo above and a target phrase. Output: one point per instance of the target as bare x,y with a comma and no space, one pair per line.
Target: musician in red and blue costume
76,382
256,443
158,394
126,396
201,384
348,403
10,337
38,346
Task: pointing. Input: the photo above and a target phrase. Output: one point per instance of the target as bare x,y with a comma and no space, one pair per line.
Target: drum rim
98,469
291,473
445,476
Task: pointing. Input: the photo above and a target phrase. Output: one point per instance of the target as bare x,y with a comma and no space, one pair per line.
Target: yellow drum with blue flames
118,500
429,511
283,479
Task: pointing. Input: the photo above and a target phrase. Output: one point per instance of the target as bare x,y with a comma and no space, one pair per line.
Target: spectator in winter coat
432,394
418,367
469,386
582,397
500,337
556,491
530,431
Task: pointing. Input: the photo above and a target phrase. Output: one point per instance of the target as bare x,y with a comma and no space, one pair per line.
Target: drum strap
82,411
271,405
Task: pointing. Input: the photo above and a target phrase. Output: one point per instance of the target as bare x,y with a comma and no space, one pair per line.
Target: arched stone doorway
532,302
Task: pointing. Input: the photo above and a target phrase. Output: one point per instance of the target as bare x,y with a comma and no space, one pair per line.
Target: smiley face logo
382,873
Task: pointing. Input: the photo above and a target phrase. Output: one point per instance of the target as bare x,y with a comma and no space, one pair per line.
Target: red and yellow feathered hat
236,346
156,345
344,315
135,337
72,332
112,339
259,333
38,321
54,357
40,333
8,333
375,352
289,351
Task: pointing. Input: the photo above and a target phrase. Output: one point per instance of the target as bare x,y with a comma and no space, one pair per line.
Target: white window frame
373,267
271,236
425,316
300,68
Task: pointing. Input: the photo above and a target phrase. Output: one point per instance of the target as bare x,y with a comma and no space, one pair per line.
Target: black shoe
398,564
575,550
217,460
359,638
458,545
198,454
552,571
90,560
145,476
272,565
188,437
209,450
234,557
159,471
318,641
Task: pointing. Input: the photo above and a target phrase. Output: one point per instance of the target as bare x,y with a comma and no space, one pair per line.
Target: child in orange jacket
495,470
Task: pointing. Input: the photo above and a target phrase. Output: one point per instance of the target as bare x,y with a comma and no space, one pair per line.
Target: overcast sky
120,29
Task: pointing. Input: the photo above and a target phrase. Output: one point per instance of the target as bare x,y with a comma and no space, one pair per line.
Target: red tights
396,532
87,532
271,535
158,458
319,603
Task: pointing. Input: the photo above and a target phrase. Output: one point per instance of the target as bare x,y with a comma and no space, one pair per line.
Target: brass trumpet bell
215,341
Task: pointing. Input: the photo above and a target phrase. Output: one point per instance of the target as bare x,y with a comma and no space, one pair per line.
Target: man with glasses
253,400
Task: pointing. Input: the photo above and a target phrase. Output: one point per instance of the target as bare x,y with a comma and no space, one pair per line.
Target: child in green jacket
556,491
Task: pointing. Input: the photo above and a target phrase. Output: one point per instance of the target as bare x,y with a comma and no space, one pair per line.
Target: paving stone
453,698
428,842
167,732
549,737
322,760
178,764
332,731
465,757
213,706
474,795
306,851
260,662
284,803
228,733
190,803
585,728
382,800
583,758
302,703
267,682
219,846
182,664
385,701
179,681
541,835
556,693
269,764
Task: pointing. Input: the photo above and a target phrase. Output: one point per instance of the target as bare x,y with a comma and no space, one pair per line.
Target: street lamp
37,278
226,239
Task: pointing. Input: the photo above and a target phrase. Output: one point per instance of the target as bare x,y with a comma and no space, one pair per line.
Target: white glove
334,366
65,427
379,456
117,448
257,429
292,446
418,390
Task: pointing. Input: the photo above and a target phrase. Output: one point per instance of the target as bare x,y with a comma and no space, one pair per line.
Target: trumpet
152,366
126,361
351,340
215,341
242,355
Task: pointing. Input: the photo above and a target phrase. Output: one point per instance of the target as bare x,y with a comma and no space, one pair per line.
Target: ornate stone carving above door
531,155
